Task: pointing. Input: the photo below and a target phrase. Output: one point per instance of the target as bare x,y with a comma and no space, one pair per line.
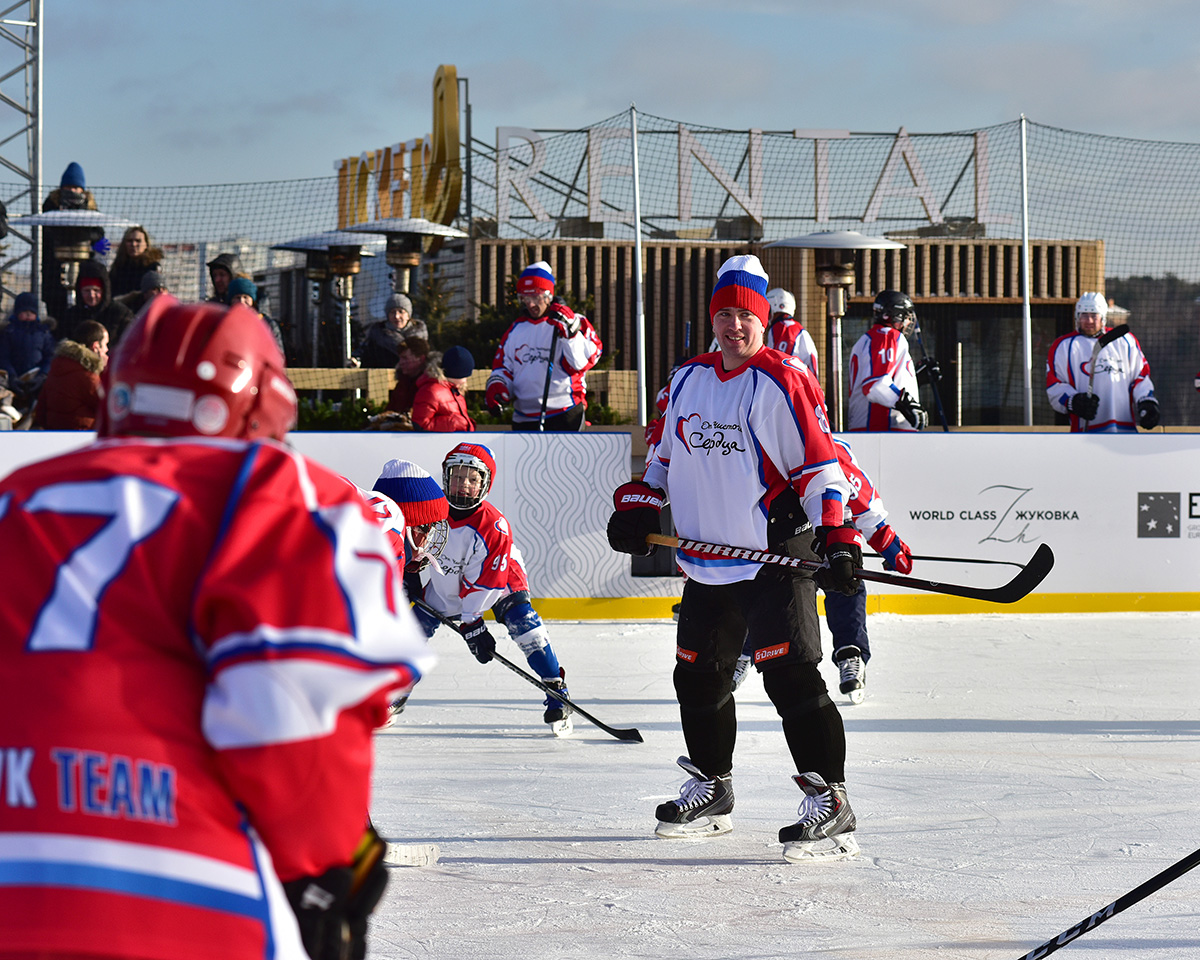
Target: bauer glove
496,395
929,371
636,513
481,643
565,319
1148,413
838,547
1084,405
917,418
895,552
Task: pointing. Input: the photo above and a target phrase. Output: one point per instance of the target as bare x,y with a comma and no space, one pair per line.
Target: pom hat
741,284
415,490
534,279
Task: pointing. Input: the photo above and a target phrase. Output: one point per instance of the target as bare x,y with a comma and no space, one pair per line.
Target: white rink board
986,495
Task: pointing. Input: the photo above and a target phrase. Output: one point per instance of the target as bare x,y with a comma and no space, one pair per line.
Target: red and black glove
838,547
564,318
637,508
496,395
895,552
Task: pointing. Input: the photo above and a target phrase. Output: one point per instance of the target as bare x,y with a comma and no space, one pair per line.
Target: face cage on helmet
461,501
436,535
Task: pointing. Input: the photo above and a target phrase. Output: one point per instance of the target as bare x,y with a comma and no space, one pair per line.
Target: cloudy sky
154,93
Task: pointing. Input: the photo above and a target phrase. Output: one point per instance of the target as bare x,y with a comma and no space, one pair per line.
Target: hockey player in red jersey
746,459
884,394
202,628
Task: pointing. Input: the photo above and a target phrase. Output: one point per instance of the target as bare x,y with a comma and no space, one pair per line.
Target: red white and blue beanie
741,284
535,278
415,490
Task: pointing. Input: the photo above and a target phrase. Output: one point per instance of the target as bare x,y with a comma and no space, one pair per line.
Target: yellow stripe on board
914,604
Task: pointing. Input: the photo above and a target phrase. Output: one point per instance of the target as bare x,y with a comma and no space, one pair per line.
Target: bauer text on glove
636,512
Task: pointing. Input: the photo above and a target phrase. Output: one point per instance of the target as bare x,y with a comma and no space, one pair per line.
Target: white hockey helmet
472,456
1091,303
781,301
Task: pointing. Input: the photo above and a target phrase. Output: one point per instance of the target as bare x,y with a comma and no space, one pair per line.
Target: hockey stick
937,397
1128,900
1033,573
932,559
627,734
549,371
1102,341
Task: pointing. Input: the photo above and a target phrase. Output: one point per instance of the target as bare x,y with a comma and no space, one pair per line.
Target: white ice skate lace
695,793
851,668
813,809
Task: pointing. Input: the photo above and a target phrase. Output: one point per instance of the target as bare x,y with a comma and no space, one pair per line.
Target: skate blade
698,829
412,854
856,696
563,727
844,847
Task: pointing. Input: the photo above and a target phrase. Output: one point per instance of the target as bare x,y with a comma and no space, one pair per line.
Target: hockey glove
496,396
838,547
481,643
564,318
332,909
1084,405
917,418
1148,413
895,552
929,371
637,512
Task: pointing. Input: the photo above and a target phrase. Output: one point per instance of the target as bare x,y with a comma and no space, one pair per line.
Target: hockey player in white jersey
746,446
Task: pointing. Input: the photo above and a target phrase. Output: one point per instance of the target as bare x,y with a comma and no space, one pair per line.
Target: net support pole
1026,315
639,308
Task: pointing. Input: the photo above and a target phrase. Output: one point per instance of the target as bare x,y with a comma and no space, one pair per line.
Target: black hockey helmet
896,309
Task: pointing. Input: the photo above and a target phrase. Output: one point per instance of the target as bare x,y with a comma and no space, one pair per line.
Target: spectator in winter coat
72,194
152,285
221,271
26,348
380,346
70,396
244,291
135,258
93,301
440,406
410,366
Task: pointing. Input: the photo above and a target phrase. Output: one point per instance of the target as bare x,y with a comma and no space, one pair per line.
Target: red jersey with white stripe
479,565
520,364
732,442
198,639
1122,378
881,368
787,335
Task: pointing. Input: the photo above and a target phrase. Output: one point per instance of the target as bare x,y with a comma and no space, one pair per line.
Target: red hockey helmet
474,456
197,369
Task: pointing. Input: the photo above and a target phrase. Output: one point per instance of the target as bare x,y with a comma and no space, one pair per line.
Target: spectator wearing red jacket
70,395
440,405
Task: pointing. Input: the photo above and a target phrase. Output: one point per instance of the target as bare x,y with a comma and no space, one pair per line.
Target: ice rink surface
1011,775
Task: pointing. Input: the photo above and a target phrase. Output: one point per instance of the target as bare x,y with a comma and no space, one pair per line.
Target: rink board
1122,513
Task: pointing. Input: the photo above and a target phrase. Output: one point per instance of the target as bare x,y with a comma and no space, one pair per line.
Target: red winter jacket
70,394
439,408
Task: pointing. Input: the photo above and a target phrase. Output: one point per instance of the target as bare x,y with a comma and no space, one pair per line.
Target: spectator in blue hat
440,405
243,290
72,194
26,349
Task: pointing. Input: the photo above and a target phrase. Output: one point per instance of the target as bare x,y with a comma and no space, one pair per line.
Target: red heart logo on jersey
683,425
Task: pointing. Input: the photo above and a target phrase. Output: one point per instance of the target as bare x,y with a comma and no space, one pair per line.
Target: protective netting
1117,214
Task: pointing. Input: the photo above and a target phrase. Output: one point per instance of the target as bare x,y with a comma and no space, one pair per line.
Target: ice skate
557,714
825,830
702,809
741,671
853,673
395,708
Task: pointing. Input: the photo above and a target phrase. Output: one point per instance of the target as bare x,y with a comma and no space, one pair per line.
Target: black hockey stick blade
630,733
1116,333
1027,578
1172,873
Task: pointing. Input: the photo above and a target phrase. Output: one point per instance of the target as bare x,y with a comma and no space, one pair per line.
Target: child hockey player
480,568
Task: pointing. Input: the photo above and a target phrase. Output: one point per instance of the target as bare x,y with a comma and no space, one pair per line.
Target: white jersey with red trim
520,364
1122,378
881,368
479,565
197,640
787,335
732,442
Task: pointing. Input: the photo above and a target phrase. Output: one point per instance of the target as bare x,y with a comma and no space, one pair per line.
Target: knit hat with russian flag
415,490
535,278
741,284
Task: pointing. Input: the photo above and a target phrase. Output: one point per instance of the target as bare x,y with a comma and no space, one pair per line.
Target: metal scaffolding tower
21,45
